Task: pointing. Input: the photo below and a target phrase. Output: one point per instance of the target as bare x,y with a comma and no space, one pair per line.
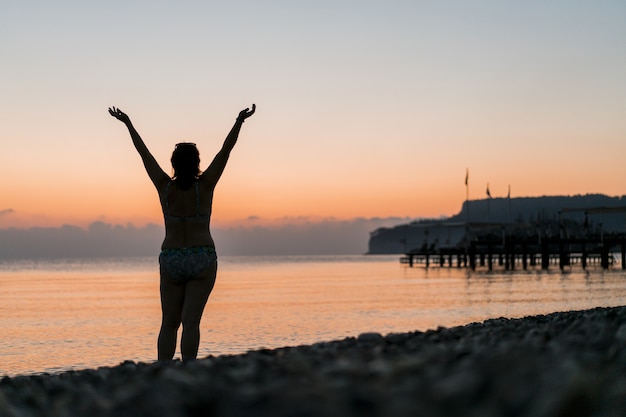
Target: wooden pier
531,252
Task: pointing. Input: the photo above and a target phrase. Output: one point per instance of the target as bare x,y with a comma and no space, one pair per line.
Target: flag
488,193
466,175
509,194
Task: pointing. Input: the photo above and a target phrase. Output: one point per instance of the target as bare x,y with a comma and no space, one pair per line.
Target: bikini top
195,218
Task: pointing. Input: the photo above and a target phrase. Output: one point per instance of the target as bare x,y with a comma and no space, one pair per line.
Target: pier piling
525,252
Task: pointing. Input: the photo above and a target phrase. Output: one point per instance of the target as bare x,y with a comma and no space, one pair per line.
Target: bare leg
172,297
196,295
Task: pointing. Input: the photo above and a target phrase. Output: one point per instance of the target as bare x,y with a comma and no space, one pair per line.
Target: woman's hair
186,164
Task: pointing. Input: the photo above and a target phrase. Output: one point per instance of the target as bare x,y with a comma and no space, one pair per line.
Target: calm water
80,314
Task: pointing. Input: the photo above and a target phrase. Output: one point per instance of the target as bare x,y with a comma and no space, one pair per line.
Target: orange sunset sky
364,108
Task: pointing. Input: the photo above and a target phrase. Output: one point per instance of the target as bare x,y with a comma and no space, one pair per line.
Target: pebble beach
560,364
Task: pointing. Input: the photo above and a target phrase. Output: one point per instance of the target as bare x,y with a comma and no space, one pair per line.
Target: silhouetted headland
561,364
520,231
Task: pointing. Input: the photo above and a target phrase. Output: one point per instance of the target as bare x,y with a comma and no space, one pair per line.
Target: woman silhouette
188,261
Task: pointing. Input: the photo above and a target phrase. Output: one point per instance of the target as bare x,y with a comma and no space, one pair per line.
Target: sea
72,314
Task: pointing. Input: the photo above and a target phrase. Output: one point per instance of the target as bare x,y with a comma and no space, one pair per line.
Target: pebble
560,364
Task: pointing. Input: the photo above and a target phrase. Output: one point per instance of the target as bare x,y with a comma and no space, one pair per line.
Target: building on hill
547,216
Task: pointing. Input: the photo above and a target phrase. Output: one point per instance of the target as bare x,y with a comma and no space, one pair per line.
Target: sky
365,109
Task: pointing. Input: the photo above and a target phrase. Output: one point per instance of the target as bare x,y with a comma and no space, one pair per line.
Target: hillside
521,210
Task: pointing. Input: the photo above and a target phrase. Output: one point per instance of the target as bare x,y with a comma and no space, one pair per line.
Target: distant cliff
449,232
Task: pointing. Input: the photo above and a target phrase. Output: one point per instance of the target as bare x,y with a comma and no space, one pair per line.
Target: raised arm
213,173
155,172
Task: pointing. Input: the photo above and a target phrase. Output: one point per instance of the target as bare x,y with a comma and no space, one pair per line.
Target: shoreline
565,363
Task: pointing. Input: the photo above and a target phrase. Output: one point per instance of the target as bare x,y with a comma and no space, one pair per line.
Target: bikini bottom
181,265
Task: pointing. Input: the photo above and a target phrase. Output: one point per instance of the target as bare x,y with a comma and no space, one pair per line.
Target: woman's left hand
245,113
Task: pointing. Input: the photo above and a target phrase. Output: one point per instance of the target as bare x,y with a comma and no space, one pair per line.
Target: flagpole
467,195
509,198
488,203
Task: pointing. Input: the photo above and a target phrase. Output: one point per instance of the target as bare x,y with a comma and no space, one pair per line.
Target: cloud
98,240
301,236
6,212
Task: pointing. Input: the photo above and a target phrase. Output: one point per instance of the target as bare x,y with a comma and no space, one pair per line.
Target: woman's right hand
119,115
245,113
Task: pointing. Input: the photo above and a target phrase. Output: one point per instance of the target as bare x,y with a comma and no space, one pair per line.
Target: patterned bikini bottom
181,265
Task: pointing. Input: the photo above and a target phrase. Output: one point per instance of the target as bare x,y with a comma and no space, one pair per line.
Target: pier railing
524,252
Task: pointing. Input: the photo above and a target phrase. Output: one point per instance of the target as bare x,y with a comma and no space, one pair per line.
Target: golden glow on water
55,317
59,320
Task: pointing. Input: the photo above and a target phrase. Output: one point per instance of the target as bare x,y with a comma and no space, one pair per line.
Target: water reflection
97,315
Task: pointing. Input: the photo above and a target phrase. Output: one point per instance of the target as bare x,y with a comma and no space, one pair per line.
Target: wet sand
561,364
